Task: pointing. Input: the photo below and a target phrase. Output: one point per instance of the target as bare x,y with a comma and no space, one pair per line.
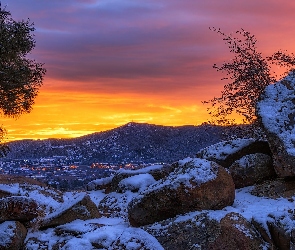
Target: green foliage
249,73
20,77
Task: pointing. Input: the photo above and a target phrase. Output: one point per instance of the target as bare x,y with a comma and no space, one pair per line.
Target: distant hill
133,142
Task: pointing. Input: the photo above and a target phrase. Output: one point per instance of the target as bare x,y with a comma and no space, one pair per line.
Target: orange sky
110,62
73,113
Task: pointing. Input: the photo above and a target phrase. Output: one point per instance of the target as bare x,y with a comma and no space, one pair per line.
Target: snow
191,170
244,230
277,110
10,188
222,149
197,170
141,170
7,229
103,181
99,231
137,182
70,199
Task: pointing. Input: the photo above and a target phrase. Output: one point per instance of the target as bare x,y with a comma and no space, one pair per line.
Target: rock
164,171
196,184
12,235
136,183
251,169
100,184
154,170
115,204
237,233
264,233
200,231
275,189
19,208
227,152
81,208
4,194
111,184
282,231
185,232
276,112
79,235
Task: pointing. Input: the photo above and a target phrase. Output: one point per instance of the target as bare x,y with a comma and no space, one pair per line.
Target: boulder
251,169
237,233
81,207
275,189
115,204
157,171
282,230
112,183
101,184
196,184
226,153
276,112
12,235
185,232
136,183
92,234
201,231
19,208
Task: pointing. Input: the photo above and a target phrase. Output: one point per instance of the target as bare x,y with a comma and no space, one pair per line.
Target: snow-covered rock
276,111
275,189
102,183
100,233
19,208
115,204
251,169
195,185
115,183
226,152
12,235
136,183
201,231
80,206
282,230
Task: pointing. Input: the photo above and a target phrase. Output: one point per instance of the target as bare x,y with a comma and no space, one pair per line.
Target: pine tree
20,77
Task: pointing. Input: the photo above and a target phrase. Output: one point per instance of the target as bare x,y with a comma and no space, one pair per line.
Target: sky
110,62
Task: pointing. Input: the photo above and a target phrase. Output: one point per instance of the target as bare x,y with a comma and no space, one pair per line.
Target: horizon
110,62
141,123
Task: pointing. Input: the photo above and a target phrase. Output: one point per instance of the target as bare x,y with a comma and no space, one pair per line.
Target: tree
20,77
249,73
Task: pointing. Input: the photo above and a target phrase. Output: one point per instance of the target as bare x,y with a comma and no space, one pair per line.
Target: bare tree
248,74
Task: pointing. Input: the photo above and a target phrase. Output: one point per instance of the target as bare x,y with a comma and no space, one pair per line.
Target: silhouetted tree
249,73
20,77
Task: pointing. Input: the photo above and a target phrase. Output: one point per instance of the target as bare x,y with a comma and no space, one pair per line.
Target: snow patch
191,171
137,182
7,231
277,110
222,149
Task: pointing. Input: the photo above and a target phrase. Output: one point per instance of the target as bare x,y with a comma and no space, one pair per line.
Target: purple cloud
101,42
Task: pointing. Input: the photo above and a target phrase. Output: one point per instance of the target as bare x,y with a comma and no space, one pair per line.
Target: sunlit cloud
113,61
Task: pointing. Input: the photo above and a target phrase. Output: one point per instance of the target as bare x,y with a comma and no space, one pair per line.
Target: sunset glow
110,62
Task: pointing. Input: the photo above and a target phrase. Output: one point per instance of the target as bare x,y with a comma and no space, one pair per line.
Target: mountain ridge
132,142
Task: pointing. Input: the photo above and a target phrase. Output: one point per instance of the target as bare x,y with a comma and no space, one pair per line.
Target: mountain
133,142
